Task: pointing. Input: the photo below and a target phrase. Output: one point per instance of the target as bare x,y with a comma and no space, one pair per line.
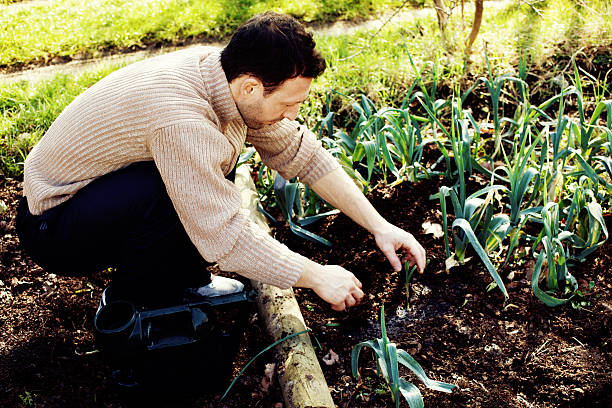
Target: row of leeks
532,159
537,163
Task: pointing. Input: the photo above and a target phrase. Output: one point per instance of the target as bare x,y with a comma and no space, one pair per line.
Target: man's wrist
379,226
310,277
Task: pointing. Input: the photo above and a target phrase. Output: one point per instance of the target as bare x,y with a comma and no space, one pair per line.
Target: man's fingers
352,298
339,307
389,252
420,256
350,301
357,294
340,288
416,253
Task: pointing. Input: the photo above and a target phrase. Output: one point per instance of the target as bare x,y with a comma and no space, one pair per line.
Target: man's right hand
332,283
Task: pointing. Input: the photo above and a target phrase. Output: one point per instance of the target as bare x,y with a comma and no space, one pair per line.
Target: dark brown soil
48,354
517,354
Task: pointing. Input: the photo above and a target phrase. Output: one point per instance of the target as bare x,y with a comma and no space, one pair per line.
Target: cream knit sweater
177,110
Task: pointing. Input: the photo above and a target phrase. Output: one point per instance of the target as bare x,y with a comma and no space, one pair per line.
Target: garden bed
516,354
511,355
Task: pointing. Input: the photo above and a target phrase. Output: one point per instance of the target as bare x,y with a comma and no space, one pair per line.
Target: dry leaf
330,358
268,378
451,262
433,228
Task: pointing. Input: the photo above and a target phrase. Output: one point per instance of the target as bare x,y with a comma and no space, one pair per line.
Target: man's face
260,110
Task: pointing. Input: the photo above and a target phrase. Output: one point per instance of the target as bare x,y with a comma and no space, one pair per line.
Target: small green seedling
26,399
409,272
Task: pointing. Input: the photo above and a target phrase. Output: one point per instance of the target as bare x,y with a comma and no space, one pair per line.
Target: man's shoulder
196,53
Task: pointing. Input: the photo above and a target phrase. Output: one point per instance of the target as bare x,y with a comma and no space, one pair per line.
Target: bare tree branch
475,26
442,13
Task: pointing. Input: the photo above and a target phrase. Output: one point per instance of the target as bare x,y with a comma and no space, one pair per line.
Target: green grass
29,108
40,31
380,67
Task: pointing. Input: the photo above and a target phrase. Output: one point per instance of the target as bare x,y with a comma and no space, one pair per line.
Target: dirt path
337,28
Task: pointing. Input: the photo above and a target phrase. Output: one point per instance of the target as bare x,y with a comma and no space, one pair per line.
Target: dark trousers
123,220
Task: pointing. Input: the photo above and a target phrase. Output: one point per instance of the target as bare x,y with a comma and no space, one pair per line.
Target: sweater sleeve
293,151
190,157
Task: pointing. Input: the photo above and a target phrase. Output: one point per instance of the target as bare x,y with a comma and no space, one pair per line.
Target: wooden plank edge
299,373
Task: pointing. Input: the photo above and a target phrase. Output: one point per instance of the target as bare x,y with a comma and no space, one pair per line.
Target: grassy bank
41,31
29,108
378,62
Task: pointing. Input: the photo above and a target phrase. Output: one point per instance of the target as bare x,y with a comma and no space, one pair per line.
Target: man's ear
250,86
246,87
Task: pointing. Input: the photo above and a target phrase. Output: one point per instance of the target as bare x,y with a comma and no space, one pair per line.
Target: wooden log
299,373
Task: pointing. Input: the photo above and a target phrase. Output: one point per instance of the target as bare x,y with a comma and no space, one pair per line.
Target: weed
26,399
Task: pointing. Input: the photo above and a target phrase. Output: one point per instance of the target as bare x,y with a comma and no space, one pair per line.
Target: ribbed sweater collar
218,89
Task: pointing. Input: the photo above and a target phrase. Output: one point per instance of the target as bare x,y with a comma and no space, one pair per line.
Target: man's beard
249,114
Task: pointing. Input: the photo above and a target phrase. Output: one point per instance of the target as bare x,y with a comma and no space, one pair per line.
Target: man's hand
339,190
391,239
332,283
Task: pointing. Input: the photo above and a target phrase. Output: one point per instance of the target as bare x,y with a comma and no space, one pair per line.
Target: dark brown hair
272,47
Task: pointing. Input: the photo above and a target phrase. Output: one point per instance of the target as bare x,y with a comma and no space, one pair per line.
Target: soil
514,354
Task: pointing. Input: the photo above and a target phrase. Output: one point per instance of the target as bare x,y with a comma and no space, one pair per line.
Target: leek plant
584,129
264,183
343,146
606,165
373,128
470,212
388,358
345,149
495,87
555,254
585,217
389,139
521,175
427,98
407,147
409,273
468,216
298,204
363,142
586,145
290,198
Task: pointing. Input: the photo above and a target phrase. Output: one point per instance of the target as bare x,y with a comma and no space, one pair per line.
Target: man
132,175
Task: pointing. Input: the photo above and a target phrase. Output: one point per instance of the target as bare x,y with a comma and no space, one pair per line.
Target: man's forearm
338,189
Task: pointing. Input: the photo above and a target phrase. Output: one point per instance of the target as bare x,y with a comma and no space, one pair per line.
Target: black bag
186,348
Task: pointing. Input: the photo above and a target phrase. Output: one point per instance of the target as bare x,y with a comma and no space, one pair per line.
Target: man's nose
292,112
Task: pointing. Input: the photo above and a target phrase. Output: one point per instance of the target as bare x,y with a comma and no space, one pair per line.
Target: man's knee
37,239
